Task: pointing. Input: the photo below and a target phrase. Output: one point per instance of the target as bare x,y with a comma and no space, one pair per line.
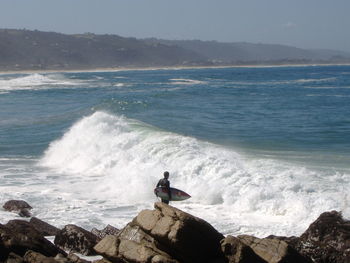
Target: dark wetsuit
164,183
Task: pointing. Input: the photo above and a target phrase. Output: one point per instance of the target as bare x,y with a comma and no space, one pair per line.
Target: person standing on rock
164,183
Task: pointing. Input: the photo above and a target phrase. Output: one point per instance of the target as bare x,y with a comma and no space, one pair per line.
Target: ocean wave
120,160
186,82
315,80
35,81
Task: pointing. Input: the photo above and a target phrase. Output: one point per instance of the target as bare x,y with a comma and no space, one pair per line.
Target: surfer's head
166,174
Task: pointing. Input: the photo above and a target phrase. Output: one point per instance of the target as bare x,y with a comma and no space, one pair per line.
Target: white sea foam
119,85
109,165
35,81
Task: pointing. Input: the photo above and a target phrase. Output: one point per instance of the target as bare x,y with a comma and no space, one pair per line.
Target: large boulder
185,237
76,239
273,250
19,236
44,228
326,240
165,234
132,244
237,252
19,206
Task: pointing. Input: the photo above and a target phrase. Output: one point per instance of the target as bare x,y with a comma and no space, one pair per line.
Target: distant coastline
36,51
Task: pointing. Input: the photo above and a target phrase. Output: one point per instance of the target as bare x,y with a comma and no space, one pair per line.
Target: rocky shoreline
168,235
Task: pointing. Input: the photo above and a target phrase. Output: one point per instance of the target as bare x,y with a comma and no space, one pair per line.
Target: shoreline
118,69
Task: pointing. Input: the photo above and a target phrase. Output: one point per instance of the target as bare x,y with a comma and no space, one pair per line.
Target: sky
317,24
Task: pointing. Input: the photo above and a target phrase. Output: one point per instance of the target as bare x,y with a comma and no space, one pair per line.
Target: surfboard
176,194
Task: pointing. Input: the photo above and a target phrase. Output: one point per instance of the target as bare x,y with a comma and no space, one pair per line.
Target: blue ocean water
254,146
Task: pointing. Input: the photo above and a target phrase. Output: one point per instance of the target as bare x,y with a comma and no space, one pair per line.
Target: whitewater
260,150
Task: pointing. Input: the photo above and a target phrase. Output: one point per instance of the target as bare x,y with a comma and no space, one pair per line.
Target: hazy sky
300,23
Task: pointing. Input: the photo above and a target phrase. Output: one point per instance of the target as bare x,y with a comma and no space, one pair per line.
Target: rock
238,252
273,250
76,239
19,206
13,258
16,205
35,257
326,240
72,258
103,260
19,236
109,247
132,244
44,228
4,251
185,237
108,230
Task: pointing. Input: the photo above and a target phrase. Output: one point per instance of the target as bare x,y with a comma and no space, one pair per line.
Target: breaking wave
109,157
34,82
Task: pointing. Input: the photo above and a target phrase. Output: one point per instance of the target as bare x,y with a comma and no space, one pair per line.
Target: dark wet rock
76,239
24,213
16,205
44,228
14,258
273,250
326,240
108,230
4,251
19,206
19,236
237,252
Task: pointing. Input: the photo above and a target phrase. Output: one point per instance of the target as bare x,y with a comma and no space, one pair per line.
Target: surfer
164,183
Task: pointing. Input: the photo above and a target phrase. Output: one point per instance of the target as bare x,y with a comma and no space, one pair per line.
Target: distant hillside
242,53
24,49
31,50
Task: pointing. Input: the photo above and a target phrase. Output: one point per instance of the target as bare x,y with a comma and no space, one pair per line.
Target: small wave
186,82
327,87
328,95
34,82
315,80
